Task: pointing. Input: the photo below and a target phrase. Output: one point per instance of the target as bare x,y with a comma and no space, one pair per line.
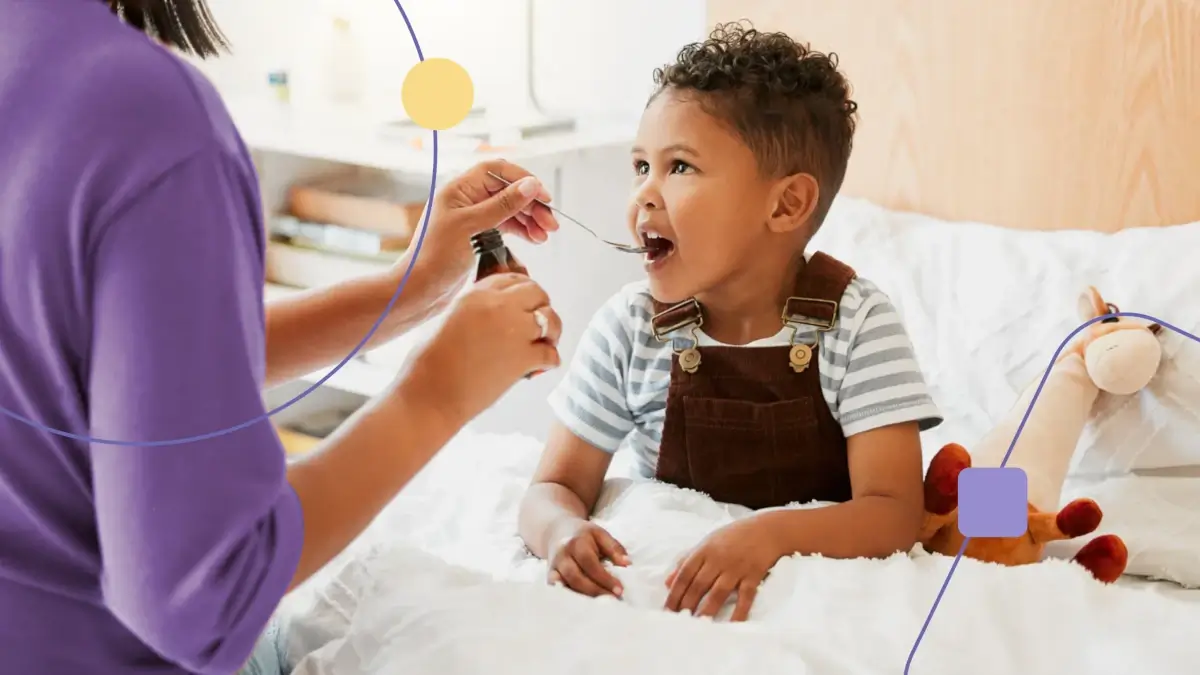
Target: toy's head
1122,353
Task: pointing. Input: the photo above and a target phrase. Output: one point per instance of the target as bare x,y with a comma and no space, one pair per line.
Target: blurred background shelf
315,89
346,135
366,375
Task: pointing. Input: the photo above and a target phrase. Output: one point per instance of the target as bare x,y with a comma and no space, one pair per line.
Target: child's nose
648,200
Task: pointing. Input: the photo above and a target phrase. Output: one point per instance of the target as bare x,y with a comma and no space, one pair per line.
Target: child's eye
679,166
640,167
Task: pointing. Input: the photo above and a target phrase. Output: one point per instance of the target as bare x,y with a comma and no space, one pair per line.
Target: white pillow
986,308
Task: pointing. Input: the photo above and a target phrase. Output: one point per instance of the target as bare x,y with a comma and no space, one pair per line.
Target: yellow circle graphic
437,94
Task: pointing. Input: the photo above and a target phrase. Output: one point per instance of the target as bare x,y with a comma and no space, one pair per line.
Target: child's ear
794,201
1091,305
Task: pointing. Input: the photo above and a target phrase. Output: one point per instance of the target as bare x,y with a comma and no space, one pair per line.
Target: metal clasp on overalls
801,354
689,357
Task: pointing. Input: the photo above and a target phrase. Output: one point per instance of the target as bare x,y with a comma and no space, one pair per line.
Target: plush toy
1118,355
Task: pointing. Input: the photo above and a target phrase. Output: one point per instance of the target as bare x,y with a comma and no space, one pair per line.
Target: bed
1009,154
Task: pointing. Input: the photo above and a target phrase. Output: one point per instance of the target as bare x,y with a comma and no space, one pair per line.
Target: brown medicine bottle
494,257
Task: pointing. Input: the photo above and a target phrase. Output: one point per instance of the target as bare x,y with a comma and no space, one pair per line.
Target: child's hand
735,558
576,560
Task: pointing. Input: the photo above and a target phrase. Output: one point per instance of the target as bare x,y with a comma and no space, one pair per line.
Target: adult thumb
509,201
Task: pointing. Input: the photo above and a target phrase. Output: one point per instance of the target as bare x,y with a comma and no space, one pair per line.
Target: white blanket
440,584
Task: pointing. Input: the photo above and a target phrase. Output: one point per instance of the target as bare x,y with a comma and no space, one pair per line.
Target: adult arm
199,540
319,327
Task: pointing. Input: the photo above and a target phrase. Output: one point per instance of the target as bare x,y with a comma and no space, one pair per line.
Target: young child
738,156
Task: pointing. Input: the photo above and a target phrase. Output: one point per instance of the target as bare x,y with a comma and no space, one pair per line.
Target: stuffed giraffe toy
1117,355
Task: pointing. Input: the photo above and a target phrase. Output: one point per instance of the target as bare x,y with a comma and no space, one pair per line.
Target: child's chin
667,293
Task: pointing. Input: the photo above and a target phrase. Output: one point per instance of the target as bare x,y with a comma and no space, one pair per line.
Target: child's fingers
701,584
724,586
594,569
682,581
575,579
745,598
674,572
612,549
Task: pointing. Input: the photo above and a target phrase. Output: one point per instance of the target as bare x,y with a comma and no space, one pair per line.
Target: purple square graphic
993,502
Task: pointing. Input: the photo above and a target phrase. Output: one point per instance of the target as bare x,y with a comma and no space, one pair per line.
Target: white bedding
986,307
440,584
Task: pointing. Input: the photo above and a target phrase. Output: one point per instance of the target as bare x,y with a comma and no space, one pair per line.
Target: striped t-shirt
615,389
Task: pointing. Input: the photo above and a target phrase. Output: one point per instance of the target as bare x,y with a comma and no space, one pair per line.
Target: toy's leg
1076,519
941,490
934,523
1105,557
941,481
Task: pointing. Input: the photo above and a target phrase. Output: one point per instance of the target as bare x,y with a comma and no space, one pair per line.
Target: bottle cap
488,240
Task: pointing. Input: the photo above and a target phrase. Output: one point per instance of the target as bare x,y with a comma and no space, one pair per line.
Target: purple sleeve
199,540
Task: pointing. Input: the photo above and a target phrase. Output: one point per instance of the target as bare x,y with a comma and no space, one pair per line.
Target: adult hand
490,339
575,560
469,204
734,559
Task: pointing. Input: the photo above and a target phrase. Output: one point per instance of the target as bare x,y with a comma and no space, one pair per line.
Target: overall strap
815,300
669,318
818,293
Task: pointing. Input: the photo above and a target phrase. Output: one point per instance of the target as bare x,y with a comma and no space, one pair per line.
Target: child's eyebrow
674,147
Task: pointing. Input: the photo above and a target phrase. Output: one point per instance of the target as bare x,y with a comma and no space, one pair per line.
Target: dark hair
789,104
186,25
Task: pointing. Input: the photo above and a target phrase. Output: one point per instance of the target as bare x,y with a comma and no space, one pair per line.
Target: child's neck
748,307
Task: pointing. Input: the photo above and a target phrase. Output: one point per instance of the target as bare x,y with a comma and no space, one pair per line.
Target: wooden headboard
1033,114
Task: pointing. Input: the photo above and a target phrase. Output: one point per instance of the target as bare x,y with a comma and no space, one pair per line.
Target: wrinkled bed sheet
441,584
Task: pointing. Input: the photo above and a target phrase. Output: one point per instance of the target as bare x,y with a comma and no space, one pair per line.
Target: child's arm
553,518
593,419
883,405
884,515
564,489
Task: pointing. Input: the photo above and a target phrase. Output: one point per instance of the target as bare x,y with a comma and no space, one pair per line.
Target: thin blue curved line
331,373
1045,376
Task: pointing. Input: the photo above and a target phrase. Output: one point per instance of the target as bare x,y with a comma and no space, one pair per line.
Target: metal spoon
624,248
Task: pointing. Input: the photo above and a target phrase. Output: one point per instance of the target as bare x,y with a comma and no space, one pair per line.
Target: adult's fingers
505,204
505,280
745,598
532,228
511,173
548,357
553,325
527,296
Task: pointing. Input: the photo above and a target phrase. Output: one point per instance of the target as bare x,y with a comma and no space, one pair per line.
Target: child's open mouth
660,247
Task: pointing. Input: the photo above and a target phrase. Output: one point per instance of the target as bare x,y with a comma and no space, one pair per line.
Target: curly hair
788,103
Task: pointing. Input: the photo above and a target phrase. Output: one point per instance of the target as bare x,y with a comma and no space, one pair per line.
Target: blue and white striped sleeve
882,384
590,400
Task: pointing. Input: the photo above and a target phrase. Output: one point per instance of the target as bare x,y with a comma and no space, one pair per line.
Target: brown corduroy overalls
750,425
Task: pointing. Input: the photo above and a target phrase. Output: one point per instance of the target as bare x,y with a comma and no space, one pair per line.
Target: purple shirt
131,280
